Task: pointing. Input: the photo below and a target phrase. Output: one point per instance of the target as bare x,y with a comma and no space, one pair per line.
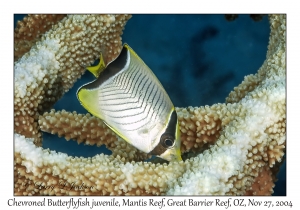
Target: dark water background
199,59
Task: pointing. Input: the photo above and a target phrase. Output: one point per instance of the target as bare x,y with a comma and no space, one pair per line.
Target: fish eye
167,140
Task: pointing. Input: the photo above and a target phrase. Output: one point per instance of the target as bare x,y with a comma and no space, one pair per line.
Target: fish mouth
172,154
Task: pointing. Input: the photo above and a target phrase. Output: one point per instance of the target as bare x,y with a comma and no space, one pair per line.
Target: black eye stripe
167,139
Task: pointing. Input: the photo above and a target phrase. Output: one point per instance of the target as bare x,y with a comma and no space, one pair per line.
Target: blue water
199,59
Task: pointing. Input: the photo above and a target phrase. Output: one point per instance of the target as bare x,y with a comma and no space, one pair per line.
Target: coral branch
30,30
55,62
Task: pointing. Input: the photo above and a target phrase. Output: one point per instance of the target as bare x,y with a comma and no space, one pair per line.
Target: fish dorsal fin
96,70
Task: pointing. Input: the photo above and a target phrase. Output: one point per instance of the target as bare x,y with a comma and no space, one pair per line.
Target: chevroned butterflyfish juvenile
128,97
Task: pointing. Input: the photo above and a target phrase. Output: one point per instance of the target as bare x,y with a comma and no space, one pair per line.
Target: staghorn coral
246,137
262,183
30,30
90,130
199,127
56,61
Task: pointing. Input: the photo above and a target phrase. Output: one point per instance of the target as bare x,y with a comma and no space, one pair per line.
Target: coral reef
233,148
